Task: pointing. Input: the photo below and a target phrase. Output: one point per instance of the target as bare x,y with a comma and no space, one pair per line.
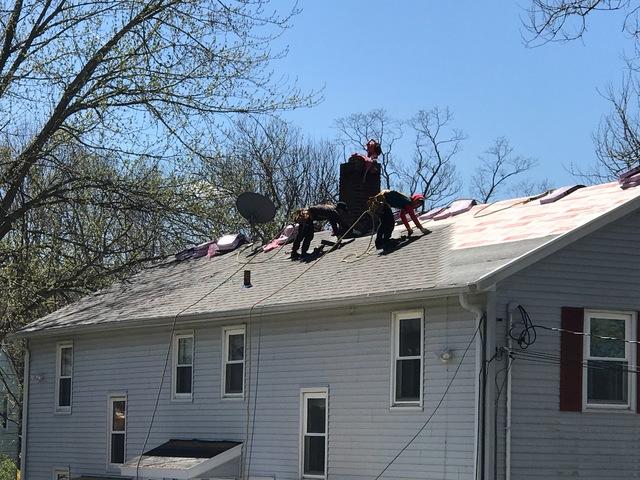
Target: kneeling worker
387,199
305,218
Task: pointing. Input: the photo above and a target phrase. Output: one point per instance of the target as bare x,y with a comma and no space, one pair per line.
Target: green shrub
8,469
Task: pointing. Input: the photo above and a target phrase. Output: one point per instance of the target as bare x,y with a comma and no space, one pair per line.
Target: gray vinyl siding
347,351
600,271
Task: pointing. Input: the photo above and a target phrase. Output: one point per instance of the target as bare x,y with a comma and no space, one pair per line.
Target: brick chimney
356,186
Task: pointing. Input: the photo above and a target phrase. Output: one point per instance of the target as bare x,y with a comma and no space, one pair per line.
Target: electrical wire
528,335
438,405
245,472
586,334
166,360
550,359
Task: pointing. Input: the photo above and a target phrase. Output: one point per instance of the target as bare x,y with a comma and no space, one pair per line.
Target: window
233,361
407,360
183,366
117,429
313,433
64,373
607,362
61,474
4,411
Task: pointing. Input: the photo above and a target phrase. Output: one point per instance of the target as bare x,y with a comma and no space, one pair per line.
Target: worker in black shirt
305,218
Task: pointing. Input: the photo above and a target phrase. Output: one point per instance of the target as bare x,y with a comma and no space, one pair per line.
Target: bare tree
617,139
356,129
272,157
566,20
432,171
136,79
498,167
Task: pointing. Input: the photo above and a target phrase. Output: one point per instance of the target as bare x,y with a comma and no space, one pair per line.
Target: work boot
295,256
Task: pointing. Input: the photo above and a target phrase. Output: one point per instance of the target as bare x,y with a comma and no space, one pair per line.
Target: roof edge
228,315
527,259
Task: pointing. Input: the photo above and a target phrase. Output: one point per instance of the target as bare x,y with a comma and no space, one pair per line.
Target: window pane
408,380
236,347
62,476
118,419
183,380
64,392
314,455
66,361
117,448
607,327
409,337
233,380
607,382
316,415
185,351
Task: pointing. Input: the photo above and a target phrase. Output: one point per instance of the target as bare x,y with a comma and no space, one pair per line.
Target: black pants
385,230
305,235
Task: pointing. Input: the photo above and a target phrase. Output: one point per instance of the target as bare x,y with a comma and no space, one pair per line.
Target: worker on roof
383,202
305,217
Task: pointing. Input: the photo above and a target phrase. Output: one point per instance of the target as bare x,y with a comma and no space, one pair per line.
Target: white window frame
630,319
174,377
65,409
110,401
396,318
226,333
305,394
61,471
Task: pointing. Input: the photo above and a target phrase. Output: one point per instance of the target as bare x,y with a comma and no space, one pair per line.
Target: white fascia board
241,314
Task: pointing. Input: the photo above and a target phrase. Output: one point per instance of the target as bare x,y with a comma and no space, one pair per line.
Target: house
360,365
9,411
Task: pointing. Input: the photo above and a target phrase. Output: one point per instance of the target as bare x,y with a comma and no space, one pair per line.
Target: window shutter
636,362
571,358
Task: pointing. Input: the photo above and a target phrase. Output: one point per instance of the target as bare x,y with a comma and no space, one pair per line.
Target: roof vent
559,193
456,208
630,178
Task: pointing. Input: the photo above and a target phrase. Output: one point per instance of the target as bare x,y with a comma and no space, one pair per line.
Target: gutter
239,314
25,412
478,444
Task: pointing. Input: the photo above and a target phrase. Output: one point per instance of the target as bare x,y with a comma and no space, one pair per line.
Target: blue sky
467,55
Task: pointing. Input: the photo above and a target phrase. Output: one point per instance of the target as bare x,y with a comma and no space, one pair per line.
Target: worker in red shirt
382,204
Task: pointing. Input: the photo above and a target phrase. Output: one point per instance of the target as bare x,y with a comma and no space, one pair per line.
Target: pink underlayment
512,220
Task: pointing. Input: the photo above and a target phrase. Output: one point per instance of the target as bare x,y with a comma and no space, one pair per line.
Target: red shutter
636,362
571,358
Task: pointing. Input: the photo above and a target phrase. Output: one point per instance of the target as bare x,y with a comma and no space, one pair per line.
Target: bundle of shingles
630,178
225,244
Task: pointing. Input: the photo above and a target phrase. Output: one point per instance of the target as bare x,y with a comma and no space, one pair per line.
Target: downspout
25,411
507,429
478,455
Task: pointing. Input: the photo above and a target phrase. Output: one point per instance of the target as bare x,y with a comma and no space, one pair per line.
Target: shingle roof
459,251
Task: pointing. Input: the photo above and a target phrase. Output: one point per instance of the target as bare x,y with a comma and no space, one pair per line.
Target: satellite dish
255,208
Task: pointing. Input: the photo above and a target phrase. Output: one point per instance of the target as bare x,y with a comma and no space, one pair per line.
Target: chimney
359,180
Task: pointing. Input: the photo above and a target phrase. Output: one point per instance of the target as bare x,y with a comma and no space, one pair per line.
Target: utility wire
264,299
550,359
166,360
446,391
586,334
